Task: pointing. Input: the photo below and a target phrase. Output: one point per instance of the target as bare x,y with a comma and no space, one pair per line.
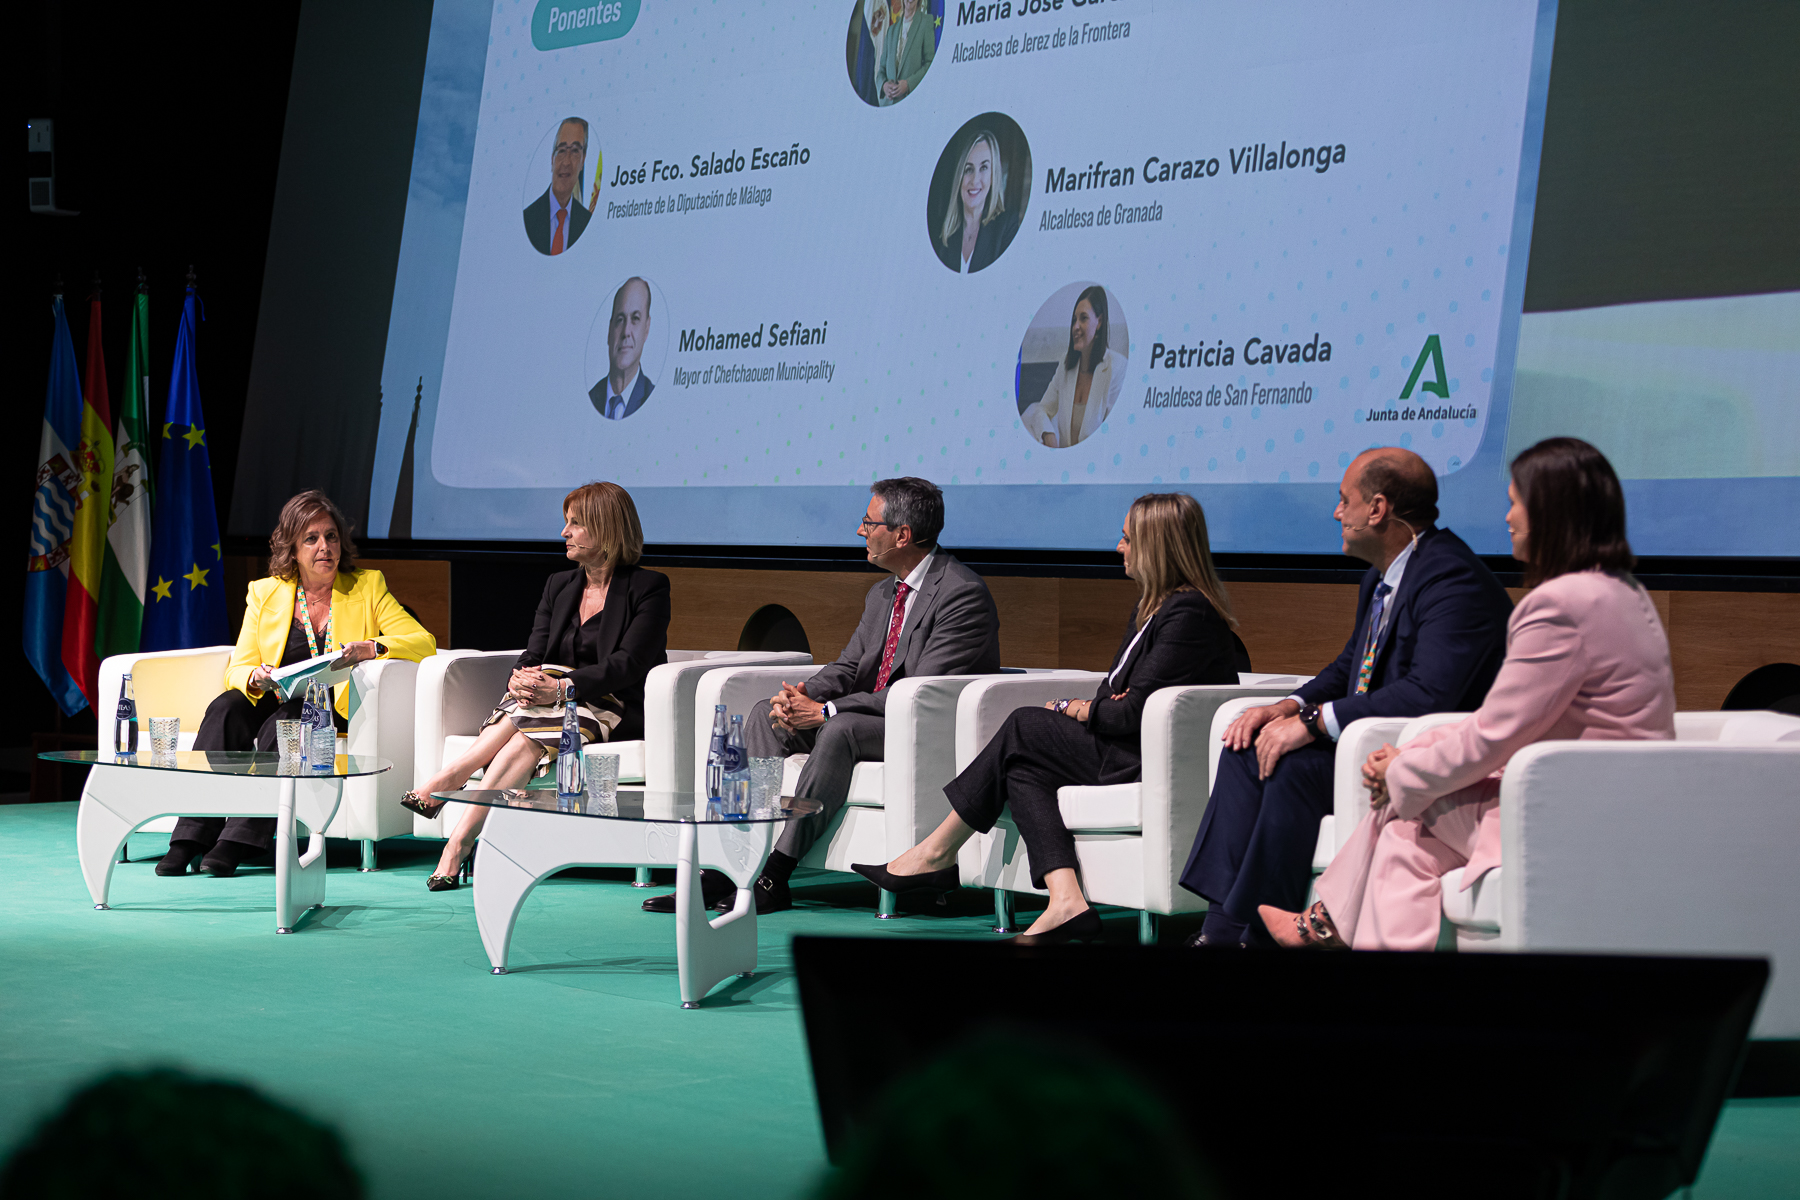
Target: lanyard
312,646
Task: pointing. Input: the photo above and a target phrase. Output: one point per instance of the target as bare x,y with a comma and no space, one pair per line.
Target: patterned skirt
543,723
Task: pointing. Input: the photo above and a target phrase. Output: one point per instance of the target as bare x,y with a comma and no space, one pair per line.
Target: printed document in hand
329,669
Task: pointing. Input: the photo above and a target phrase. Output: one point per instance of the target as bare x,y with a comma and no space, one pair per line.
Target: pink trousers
1384,890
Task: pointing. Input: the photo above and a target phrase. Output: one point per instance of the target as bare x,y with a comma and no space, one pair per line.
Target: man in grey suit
931,616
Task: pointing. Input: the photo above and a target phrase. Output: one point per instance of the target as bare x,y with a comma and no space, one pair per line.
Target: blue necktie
1374,638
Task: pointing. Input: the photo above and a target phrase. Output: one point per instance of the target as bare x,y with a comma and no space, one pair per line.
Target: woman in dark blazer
599,630
1180,634
977,226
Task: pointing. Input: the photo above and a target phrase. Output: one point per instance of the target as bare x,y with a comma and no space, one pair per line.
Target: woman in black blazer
1180,634
977,226
599,629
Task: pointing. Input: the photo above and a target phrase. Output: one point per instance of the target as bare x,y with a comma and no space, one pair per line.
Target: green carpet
579,1073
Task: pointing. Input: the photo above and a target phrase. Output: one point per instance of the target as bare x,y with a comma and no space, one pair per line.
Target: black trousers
1035,752
833,750
234,722
1255,844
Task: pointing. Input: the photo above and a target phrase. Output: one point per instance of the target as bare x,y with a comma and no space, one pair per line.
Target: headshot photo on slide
562,186
1072,365
625,350
890,47
978,193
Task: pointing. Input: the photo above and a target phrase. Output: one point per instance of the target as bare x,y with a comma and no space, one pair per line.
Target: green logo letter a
1439,387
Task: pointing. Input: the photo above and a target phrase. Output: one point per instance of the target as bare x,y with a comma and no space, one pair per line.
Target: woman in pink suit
1586,657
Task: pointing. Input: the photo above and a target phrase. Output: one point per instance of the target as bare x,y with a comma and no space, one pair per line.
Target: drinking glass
164,732
765,785
290,739
602,776
324,749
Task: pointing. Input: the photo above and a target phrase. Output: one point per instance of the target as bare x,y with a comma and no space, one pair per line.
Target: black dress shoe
180,856
714,887
223,860
1084,926
768,895
941,882
1203,941
772,896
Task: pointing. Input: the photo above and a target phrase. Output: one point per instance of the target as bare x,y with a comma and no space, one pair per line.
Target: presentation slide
1048,254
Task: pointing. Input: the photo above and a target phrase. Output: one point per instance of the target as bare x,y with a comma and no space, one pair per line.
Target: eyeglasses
865,523
568,149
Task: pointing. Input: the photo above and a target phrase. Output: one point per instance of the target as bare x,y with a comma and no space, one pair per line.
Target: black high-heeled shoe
941,882
1084,926
180,857
425,806
465,872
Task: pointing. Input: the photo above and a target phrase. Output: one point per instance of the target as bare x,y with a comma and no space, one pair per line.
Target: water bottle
569,781
715,755
715,762
309,719
736,795
125,720
323,735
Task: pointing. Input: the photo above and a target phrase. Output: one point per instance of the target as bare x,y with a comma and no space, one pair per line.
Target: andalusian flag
87,543
185,604
128,537
53,508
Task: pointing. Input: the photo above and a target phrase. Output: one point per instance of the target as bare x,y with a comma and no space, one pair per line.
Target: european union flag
185,602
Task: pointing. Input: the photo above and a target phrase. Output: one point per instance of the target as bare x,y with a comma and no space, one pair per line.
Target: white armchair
183,682
1660,847
1356,741
893,804
1132,839
459,688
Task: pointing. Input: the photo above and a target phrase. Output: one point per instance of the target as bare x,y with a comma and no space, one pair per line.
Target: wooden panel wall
1715,638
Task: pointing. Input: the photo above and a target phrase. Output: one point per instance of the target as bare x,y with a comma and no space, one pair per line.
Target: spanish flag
93,508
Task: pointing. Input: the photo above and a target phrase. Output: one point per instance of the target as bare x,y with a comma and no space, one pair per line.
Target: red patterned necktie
556,245
893,637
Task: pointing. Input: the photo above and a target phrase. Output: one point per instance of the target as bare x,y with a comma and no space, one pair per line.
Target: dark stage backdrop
339,203
168,141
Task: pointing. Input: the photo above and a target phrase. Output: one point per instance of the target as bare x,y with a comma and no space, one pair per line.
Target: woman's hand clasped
1375,774
532,687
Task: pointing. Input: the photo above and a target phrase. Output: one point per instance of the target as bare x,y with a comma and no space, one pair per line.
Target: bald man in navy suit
1429,636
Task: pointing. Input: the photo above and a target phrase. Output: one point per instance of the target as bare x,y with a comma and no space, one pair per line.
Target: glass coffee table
531,834
126,791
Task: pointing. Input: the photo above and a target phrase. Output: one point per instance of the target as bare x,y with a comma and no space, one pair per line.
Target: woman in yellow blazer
314,601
